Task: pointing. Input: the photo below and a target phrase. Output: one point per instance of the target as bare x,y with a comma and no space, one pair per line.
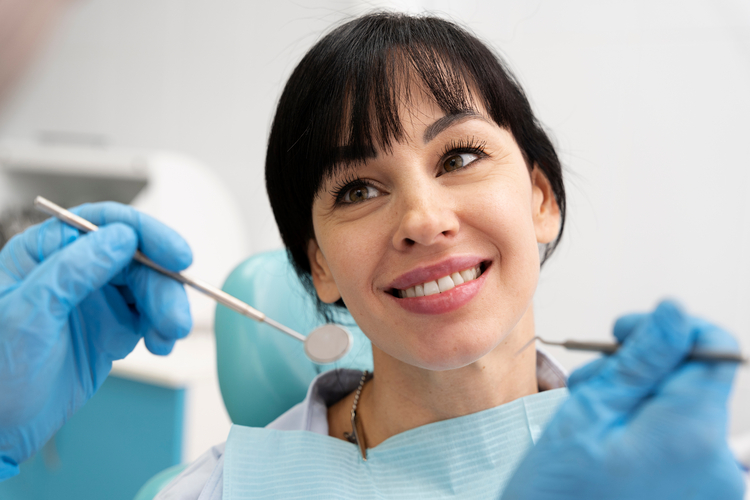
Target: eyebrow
347,155
448,120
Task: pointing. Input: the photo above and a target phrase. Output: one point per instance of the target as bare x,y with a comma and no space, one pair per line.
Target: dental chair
263,373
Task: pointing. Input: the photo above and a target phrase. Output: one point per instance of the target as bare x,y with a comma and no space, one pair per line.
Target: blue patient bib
472,456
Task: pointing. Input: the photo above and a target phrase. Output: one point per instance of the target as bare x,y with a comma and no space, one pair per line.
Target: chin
451,355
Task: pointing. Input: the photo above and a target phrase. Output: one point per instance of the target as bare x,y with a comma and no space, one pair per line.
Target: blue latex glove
70,304
642,424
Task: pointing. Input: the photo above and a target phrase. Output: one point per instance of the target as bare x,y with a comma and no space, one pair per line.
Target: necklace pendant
349,436
357,436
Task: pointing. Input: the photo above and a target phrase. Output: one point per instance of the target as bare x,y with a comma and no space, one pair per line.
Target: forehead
373,106
433,123
414,108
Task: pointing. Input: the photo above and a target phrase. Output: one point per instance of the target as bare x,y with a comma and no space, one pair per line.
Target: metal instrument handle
217,294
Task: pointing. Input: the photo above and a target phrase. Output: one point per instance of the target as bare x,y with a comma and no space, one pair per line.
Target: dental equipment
325,344
612,347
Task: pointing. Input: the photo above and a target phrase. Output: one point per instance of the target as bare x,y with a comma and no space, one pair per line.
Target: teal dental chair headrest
262,372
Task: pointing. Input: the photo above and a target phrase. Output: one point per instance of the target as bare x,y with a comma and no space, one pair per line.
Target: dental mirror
328,343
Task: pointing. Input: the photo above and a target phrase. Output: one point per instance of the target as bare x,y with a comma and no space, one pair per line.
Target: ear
327,290
544,208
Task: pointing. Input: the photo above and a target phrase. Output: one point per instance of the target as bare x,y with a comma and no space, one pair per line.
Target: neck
401,397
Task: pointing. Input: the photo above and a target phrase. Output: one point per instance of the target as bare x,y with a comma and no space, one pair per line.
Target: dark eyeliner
467,145
343,186
456,147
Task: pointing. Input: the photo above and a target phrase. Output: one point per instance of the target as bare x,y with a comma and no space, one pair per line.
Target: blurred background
166,104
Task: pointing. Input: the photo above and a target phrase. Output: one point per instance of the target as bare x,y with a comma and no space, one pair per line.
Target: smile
440,285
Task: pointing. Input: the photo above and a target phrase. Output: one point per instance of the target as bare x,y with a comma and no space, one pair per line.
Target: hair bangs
378,91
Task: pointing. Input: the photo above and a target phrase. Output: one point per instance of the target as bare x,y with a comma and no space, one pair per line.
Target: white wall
198,77
648,102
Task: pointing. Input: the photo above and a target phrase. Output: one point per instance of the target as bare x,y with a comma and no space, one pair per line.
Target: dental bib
472,456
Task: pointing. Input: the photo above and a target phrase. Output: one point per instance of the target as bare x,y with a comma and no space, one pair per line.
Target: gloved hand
641,424
70,304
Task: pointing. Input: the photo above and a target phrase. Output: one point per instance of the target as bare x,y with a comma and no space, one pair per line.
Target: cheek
501,210
352,251
501,214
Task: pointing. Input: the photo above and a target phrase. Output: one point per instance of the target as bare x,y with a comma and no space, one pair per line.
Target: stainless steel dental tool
612,347
325,344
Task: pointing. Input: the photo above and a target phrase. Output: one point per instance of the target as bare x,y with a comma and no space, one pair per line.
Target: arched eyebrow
446,121
346,155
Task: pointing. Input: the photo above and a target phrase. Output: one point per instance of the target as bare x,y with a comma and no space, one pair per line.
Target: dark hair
346,92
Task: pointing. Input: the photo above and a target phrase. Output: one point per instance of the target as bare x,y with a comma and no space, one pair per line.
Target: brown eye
361,193
455,162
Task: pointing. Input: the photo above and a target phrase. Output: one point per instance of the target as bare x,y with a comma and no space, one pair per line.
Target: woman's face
453,202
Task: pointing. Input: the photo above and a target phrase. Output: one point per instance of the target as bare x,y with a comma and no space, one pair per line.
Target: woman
400,190
411,184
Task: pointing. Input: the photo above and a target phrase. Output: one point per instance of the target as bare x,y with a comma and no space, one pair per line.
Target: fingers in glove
699,390
651,352
70,275
586,372
157,241
163,305
625,325
157,344
26,250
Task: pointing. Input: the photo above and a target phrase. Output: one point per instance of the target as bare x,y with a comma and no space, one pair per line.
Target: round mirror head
328,343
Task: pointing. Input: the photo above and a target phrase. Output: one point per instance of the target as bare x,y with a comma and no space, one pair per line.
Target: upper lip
432,272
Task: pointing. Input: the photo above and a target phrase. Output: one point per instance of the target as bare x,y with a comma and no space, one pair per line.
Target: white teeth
445,283
468,274
431,288
441,285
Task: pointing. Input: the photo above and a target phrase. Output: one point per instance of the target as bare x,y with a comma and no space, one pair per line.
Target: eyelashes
467,145
349,182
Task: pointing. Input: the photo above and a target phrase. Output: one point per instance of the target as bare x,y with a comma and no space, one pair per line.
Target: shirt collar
331,386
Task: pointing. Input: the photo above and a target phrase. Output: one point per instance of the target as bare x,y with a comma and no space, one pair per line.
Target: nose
426,217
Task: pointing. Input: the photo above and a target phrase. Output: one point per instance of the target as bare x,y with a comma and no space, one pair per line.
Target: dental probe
612,347
325,344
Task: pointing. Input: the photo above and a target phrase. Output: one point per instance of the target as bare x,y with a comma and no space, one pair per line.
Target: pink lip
445,302
430,273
